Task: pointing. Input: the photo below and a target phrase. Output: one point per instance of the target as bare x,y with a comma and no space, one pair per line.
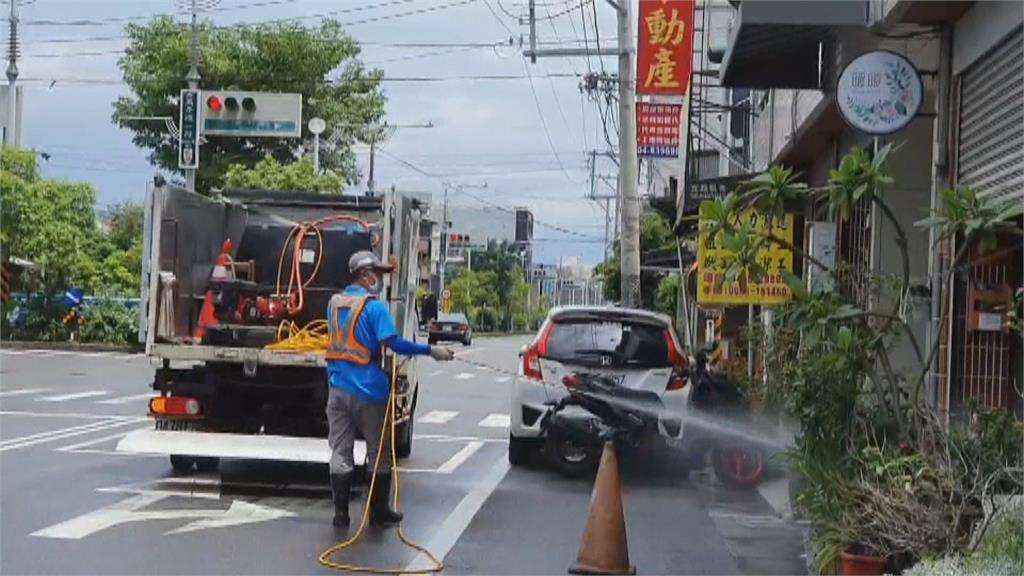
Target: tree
655,233
321,63
667,295
269,174
125,222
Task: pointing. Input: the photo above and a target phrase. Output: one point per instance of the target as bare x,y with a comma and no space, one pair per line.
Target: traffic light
251,114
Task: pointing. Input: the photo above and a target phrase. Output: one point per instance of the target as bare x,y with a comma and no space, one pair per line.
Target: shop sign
879,92
713,259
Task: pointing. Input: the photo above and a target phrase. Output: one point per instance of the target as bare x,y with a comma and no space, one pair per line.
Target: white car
637,347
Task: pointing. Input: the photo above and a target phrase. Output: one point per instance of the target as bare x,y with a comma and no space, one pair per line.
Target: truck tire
207,464
182,464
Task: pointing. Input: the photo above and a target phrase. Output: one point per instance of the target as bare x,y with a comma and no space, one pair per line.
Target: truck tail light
676,383
433,326
174,406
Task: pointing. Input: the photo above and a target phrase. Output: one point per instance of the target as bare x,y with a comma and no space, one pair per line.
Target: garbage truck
234,299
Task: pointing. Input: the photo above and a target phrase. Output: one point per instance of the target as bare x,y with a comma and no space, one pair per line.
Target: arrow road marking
130,510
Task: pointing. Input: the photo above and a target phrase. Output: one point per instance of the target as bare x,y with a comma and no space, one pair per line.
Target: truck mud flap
242,446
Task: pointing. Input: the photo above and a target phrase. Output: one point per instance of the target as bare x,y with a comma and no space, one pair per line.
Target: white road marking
461,456
80,445
64,415
63,433
22,392
457,522
127,399
130,510
503,379
437,417
73,396
435,373
464,376
470,351
496,421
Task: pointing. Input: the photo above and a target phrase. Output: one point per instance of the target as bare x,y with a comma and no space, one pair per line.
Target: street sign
188,136
697,191
664,47
713,259
657,129
879,92
251,114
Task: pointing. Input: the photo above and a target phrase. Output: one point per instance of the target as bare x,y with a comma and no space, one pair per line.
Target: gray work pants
348,414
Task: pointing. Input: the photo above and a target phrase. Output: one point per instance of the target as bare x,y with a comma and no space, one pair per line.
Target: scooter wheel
737,466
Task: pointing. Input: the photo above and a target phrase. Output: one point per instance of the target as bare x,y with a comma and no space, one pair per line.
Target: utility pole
444,242
630,241
627,198
192,77
11,138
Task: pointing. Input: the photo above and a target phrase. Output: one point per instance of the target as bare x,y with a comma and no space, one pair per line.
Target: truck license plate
177,425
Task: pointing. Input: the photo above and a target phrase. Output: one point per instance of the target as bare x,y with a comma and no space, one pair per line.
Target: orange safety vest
343,344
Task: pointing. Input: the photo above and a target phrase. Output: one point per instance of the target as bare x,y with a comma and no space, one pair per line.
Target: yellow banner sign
714,259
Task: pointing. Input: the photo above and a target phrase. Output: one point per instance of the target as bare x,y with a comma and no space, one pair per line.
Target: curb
69,346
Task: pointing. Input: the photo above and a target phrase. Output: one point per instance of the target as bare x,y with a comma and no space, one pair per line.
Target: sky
526,141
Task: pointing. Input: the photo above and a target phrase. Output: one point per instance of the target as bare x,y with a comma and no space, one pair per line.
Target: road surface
72,505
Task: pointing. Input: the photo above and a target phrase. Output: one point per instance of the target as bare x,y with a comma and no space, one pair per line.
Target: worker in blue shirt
359,326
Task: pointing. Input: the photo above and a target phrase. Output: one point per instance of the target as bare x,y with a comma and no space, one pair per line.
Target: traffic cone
604,549
221,271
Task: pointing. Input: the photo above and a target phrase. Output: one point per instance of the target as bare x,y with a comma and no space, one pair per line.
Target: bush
37,318
957,566
110,322
1005,538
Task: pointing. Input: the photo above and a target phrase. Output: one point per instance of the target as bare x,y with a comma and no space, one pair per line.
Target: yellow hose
312,337
326,554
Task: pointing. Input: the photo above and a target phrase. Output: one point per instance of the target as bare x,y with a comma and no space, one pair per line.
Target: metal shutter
991,154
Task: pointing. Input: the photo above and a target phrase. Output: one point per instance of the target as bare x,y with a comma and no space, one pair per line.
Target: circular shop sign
879,92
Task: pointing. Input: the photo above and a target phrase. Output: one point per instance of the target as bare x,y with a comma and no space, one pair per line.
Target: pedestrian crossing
493,420
52,396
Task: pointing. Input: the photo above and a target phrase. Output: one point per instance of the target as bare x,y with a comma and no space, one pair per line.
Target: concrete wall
984,26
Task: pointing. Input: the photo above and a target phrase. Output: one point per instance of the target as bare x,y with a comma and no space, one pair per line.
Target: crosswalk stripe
22,392
503,379
73,396
126,399
464,376
437,417
496,421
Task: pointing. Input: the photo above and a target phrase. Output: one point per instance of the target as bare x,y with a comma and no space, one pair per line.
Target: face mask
375,286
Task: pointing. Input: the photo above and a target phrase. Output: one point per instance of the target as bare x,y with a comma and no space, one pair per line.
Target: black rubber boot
381,512
341,489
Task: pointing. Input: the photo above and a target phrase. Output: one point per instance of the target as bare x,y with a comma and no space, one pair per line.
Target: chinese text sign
714,258
657,129
664,47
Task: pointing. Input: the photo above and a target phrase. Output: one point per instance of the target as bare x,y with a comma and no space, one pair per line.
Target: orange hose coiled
295,296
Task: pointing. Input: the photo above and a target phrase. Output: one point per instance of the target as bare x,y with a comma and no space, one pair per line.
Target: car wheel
520,450
207,464
571,457
467,341
403,439
182,464
737,467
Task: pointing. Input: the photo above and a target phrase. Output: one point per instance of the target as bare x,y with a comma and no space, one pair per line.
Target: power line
371,20
499,18
543,122
484,201
411,79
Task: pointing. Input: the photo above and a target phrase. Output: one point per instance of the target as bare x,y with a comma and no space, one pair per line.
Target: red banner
664,47
657,129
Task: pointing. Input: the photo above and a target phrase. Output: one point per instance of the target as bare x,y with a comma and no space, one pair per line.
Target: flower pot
858,565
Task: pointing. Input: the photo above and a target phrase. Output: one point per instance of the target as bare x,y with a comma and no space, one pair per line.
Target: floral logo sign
879,92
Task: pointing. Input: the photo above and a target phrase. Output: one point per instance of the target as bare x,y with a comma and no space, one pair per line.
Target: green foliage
667,295
1004,539
110,322
125,221
269,174
772,191
655,233
42,320
966,215
19,162
858,175
321,63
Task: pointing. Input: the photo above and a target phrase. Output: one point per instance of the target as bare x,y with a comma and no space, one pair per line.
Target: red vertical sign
664,47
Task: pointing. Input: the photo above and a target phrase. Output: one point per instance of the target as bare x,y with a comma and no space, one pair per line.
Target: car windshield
452,318
609,343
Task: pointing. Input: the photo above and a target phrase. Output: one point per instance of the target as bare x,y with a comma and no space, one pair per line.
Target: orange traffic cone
603,549
221,271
